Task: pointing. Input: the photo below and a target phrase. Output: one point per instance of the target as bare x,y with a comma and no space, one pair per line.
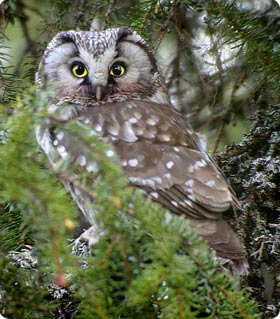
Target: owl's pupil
80,70
117,70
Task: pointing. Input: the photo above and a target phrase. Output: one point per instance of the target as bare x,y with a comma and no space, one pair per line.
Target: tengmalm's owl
109,81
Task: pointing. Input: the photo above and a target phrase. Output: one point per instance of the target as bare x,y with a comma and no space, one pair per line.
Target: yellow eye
79,70
117,70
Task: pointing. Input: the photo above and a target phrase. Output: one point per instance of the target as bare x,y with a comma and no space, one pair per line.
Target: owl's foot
238,267
82,245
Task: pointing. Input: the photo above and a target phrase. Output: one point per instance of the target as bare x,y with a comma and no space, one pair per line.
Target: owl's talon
82,245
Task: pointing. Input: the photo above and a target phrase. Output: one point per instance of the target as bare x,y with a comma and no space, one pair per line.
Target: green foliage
22,294
23,180
15,235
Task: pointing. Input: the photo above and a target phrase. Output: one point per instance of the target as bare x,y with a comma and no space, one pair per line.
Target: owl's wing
161,154
184,181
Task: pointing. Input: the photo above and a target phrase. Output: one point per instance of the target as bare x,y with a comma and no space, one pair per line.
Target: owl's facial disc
109,65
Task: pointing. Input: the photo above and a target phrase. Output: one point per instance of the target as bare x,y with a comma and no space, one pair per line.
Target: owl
109,81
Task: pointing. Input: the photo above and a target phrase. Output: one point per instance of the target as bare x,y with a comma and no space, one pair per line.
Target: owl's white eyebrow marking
133,162
169,164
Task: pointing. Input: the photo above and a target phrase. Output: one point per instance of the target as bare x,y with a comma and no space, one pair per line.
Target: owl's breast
134,120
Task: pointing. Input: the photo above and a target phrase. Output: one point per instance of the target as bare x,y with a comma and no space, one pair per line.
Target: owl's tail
224,241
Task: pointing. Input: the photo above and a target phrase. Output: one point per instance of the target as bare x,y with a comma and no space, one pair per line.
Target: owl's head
100,67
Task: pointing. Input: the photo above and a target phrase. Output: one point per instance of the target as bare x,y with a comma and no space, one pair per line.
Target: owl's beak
98,92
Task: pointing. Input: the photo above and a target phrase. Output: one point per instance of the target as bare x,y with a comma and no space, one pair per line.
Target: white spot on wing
60,135
113,129
210,183
142,182
169,164
198,164
157,179
189,185
128,132
201,163
62,152
167,175
138,115
133,162
98,128
150,182
133,120
151,121
174,203
164,137
138,131
188,202
154,194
